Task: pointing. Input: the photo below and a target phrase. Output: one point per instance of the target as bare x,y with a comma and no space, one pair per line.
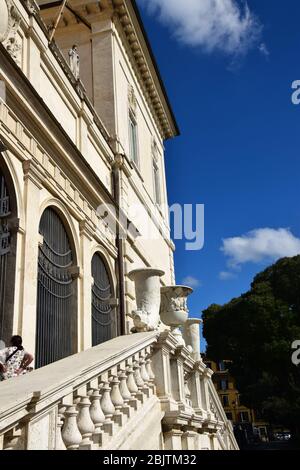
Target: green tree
256,331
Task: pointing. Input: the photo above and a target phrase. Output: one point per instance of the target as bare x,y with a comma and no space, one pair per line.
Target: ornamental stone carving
147,290
132,99
10,20
173,309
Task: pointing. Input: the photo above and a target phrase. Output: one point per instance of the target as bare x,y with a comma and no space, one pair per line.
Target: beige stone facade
67,142
83,120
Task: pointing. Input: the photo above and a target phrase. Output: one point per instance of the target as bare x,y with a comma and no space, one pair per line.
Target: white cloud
259,245
223,25
226,276
263,49
191,282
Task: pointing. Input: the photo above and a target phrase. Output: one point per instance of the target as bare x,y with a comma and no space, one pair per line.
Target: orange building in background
247,422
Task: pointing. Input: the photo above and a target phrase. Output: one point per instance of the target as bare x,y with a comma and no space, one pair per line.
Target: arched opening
8,246
56,329
104,315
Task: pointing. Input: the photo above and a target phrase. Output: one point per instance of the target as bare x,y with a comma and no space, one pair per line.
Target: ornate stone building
83,119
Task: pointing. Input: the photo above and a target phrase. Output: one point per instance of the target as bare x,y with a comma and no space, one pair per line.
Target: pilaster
86,238
30,248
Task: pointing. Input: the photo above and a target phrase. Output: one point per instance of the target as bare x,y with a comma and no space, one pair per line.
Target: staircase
135,392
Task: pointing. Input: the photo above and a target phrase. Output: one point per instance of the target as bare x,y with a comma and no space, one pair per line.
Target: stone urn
173,309
191,336
147,292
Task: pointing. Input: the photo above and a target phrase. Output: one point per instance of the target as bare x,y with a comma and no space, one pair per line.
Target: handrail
95,400
66,375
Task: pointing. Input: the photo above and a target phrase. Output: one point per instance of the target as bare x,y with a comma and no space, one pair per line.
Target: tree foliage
256,332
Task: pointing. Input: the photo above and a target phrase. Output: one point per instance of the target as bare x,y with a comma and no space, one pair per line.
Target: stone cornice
127,14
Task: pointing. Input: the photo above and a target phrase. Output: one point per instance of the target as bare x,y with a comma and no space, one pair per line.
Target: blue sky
239,147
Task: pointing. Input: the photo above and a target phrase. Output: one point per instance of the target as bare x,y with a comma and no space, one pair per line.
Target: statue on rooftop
74,61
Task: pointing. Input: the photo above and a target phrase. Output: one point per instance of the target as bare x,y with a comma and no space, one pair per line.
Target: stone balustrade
142,391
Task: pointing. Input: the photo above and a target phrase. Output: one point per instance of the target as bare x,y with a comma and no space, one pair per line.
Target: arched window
104,322
56,333
7,255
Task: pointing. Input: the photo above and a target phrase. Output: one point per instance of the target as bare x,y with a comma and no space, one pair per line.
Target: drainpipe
119,242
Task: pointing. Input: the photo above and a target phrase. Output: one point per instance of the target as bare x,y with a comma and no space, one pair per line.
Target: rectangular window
133,140
244,416
224,384
157,183
225,400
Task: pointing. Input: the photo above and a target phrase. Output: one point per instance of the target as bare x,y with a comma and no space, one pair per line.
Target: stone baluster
97,416
139,381
117,400
107,407
70,432
106,402
125,393
145,376
59,443
131,383
137,375
144,373
132,387
85,423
